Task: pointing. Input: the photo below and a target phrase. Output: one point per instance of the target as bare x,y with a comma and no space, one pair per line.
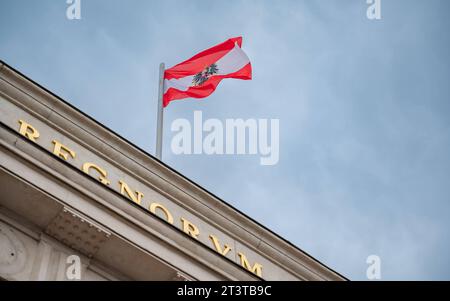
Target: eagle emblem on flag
200,75
204,75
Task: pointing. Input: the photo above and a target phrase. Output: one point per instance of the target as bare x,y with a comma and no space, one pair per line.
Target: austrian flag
199,76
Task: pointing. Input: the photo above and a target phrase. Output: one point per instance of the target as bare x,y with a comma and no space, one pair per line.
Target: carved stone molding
13,253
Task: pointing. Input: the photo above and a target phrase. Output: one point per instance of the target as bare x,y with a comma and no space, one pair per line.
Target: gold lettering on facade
189,228
135,198
215,241
256,269
28,131
154,206
102,178
62,151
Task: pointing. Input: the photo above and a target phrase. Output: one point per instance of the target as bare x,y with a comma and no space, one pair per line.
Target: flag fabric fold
200,75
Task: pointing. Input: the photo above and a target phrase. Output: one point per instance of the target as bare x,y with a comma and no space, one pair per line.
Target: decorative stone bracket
78,232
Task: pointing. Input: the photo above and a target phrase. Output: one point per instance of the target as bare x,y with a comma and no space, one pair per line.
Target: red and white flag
199,76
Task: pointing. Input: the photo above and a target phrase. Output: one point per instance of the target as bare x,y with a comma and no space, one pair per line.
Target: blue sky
363,105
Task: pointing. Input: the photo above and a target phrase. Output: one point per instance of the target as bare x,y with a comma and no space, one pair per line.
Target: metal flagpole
159,130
